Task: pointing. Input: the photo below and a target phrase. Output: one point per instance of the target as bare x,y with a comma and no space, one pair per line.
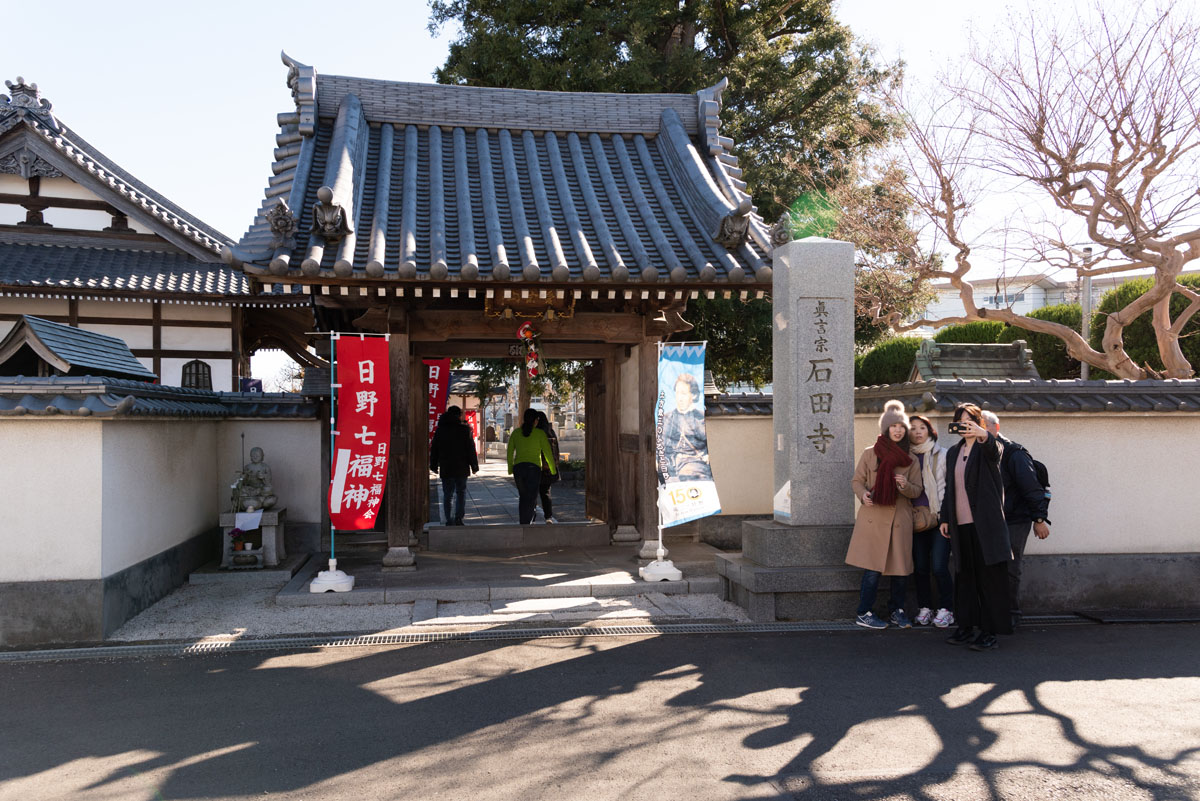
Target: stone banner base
791,572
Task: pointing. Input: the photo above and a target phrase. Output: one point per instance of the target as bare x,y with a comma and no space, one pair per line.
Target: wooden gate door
595,439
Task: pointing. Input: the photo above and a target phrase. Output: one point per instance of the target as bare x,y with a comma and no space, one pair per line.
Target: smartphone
957,428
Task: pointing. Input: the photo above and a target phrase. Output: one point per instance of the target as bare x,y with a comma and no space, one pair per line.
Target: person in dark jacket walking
973,516
1025,504
452,454
548,478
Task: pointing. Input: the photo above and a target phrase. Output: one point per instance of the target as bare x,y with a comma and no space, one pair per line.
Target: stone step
457,539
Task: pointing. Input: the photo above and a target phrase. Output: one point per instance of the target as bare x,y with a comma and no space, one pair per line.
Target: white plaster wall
188,311
293,450
38,307
176,338
158,487
135,336
134,309
1122,483
50,471
743,463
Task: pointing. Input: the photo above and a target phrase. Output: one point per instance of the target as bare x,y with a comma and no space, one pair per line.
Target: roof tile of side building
941,396
88,267
90,396
396,181
73,349
25,105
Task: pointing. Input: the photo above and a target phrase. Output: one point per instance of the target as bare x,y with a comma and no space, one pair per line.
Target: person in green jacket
527,446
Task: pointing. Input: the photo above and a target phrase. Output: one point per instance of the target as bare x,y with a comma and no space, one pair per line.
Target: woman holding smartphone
973,517
886,480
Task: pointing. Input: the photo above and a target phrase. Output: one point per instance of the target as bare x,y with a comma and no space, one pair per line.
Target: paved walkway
492,498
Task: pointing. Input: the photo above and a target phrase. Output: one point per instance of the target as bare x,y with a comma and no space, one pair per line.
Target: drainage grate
365,640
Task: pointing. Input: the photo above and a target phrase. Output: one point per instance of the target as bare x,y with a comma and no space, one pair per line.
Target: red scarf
891,456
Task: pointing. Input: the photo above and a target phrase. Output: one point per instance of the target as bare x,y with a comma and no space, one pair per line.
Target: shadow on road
815,715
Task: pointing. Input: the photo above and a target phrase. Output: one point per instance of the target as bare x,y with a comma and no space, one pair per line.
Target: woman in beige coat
886,480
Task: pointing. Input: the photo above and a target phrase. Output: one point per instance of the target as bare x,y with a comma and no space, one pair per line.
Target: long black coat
985,494
452,453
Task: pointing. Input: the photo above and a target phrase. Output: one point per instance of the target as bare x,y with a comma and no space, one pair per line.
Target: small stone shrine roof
940,396
73,351
386,181
90,396
940,360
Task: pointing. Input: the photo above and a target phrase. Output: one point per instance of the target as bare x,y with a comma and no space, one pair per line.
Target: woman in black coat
973,516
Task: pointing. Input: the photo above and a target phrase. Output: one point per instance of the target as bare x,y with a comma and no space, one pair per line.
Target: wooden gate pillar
400,468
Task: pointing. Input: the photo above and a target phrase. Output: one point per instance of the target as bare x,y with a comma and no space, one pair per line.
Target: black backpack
1043,475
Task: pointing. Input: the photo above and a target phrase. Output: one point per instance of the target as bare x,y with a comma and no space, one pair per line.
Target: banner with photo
686,490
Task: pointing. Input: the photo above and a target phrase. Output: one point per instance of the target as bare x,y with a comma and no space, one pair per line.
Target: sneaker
985,642
551,519
924,616
868,621
943,619
961,636
900,620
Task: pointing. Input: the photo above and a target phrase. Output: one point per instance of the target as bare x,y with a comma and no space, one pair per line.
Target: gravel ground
212,611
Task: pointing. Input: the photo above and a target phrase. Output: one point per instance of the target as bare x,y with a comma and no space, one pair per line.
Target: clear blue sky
184,95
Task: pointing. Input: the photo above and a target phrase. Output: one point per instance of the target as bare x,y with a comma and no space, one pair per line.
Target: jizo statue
252,490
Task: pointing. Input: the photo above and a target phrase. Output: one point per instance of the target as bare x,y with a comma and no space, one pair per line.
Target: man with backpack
1026,504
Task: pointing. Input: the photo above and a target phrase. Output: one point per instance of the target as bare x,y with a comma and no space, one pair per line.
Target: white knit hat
893,412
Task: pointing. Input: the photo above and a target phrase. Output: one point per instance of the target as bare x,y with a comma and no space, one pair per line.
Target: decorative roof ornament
24,99
28,165
329,219
283,224
732,231
302,80
781,231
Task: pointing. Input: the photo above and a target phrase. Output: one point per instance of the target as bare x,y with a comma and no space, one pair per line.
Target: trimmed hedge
890,363
982,332
1140,343
1049,352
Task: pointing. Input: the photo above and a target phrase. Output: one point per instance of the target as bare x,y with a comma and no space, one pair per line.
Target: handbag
923,518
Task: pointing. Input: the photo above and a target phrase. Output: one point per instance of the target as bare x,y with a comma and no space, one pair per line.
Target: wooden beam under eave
443,326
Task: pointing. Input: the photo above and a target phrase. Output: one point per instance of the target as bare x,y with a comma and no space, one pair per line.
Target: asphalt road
1086,712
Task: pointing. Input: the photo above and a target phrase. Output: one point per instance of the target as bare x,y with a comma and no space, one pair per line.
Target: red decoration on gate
363,433
439,387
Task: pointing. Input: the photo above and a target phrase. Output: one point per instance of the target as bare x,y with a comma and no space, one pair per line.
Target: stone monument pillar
793,567
813,374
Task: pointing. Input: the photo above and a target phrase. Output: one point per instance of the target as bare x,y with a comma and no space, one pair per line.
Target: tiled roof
967,361
25,105
74,350
477,184
106,397
738,405
91,267
941,396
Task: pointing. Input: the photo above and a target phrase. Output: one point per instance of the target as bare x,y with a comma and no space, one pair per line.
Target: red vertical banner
471,416
439,385
363,434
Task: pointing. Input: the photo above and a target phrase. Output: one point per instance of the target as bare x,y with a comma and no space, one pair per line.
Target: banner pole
333,393
660,569
332,579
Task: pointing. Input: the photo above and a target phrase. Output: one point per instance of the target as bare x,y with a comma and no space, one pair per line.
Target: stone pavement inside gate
461,591
531,586
492,498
